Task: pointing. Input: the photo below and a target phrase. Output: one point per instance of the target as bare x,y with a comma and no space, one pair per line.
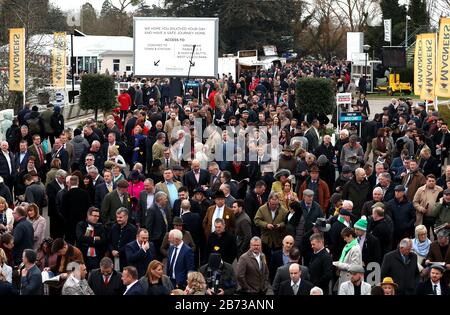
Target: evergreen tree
89,19
419,15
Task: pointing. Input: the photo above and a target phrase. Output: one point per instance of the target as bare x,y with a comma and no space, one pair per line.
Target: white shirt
438,287
273,213
129,286
150,199
297,283
258,259
218,213
175,258
22,156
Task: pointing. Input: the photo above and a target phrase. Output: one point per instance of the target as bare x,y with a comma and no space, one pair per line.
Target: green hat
361,224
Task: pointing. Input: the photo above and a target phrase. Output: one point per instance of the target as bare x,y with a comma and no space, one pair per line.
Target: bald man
295,285
280,257
196,177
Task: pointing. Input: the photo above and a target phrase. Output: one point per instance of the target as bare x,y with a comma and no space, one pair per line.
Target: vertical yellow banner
59,60
17,59
443,54
429,66
418,66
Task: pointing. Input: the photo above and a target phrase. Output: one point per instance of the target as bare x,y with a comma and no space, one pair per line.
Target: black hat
399,188
134,175
177,168
219,194
282,172
447,192
77,132
322,225
346,169
345,212
199,189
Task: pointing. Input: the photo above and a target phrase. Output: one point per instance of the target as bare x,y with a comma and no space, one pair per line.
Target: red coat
125,101
212,103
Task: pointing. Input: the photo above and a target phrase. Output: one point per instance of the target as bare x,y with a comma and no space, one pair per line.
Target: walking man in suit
157,220
295,285
7,165
56,219
76,283
196,177
106,280
130,279
60,153
180,260
104,188
219,210
21,157
114,200
140,252
37,151
170,187
31,280
146,200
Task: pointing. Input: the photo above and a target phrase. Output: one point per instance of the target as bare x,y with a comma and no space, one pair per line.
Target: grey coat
71,287
80,145
243,233
165,281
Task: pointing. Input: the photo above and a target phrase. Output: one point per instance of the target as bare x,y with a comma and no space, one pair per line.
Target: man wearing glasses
91,239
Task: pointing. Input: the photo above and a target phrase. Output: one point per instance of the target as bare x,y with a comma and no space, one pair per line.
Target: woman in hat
287,195
281,178
389,286
351,255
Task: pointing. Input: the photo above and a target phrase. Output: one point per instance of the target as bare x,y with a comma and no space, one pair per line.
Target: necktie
41,155
167,163
109,187
106,280
92,249
172,262
295,288
434,289
259,200
164,215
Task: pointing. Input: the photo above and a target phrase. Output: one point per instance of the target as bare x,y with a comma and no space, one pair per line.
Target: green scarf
347,249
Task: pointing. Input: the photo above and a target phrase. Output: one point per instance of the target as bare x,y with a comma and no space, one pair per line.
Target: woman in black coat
88,185
293,219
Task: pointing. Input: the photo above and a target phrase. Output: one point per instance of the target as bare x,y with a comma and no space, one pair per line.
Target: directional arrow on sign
156,63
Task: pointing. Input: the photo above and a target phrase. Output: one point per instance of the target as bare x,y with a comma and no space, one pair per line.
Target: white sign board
343,98
388,30
163,47
355,42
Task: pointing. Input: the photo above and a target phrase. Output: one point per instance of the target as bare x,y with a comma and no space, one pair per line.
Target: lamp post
73,62
366,49
406,30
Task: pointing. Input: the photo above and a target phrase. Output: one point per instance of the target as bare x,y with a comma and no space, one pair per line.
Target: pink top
135,189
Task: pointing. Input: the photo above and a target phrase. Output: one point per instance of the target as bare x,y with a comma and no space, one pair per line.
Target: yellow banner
59,60
17,59
418,65
429,66
443,54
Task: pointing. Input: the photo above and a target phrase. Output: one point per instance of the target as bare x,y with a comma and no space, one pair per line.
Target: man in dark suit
52,189
192,222
140,252
321,264
91,239
183,194
214,179
130,279
31,278
75,204
157,220
196,177
222,241
295,285
313,135
114,200
282,273
180,259
254,199
112,141
146,200
104,188
7,165
23,234
280,257
106,280
21,157
435,285
60,153
37,151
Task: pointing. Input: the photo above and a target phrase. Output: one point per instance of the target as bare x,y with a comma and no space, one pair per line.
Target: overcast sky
67,5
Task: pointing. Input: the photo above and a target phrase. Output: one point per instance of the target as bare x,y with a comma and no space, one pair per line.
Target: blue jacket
136,289
184,264
31,284
23,233
138,258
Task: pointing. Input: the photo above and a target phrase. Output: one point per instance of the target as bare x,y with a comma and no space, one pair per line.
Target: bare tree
355,13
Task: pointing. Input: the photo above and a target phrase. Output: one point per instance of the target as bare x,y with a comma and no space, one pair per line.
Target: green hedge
315,96
97,93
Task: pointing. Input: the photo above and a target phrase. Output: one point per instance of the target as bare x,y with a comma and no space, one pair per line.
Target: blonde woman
5,270
113,155
6,217
38,223
196,284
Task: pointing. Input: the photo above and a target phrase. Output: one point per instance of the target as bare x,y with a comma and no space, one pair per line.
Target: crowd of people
232,191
